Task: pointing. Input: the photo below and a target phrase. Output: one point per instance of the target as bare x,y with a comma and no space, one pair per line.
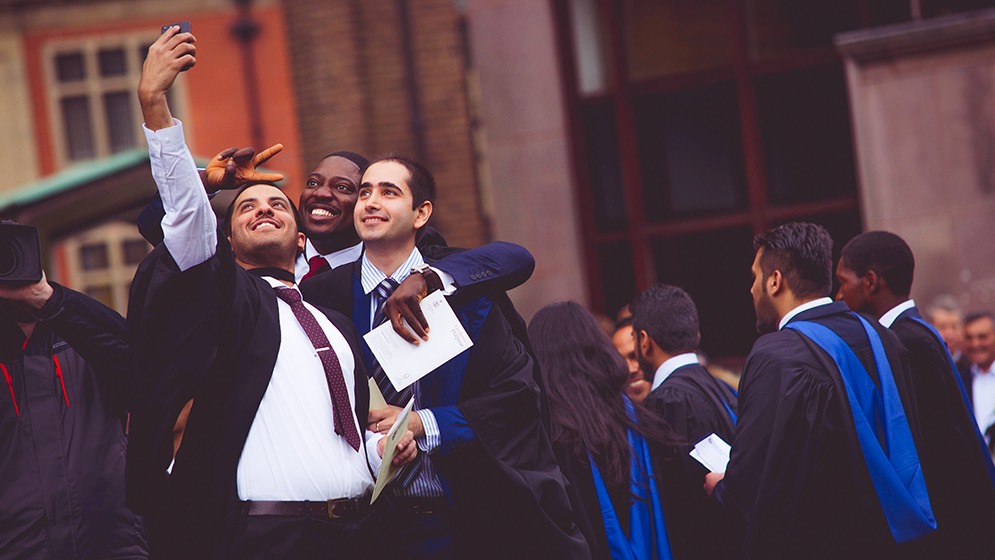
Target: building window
100,262
92,96
699,124
93,256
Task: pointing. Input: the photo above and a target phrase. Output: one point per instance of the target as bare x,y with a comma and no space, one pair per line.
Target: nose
264,209
372,201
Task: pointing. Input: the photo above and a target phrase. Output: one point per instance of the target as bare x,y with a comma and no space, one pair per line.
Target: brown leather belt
342,508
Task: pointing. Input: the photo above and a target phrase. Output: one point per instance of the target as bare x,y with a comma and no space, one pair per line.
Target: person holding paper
824,462
605,441
875,273
694,405
487,485
276,460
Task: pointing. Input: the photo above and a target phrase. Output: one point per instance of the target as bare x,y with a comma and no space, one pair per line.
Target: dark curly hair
887,254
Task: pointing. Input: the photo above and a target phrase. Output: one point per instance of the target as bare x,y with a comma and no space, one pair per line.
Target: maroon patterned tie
317,265
341,409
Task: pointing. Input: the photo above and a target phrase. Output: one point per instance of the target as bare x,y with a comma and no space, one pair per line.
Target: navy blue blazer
495,459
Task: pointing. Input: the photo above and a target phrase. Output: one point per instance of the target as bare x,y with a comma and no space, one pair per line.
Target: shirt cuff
448,283
372,457
432,437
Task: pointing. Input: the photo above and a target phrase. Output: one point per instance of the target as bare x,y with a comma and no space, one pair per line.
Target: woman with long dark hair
602,438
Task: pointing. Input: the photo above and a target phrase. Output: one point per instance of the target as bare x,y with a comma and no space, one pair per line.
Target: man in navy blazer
490,487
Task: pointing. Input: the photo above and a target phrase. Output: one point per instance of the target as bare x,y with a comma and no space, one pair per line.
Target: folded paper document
712,452
403,362
389,472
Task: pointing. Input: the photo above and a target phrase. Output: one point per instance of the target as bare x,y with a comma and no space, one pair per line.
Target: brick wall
352,80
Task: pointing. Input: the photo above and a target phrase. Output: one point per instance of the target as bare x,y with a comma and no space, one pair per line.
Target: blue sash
882,430
647,539
963,394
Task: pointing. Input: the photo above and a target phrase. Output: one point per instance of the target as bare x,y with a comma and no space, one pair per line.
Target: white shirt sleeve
432,437
448,282
189,226
372,457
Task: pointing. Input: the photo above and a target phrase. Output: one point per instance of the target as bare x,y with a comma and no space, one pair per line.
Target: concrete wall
923,105
17,148
528,170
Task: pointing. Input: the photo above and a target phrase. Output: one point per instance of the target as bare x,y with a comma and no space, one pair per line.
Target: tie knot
288,295
385,288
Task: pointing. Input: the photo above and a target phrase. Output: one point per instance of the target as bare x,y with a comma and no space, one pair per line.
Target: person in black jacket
875,272
824,461
64,359
275,461
694,404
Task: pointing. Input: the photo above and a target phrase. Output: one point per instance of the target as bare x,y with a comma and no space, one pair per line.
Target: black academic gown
210,333
506,489
691,401
958,481
797,474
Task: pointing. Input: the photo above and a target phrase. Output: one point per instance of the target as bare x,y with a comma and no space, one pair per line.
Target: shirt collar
671,365
803,307
976,371
273,282
335,259
889,318
371,275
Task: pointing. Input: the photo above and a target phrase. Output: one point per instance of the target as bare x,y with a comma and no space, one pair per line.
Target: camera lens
8,258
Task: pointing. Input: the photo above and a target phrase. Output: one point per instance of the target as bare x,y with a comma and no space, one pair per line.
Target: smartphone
184,26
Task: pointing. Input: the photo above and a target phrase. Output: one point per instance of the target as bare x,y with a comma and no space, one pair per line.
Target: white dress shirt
889,318
671,365
292,451
983,395
334,259
803,307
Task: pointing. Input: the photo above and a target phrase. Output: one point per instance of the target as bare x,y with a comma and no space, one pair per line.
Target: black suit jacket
797,473
504,483
958,480
210,333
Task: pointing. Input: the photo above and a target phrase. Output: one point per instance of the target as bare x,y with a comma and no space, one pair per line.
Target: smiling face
384,213
263,228
329,198
979,342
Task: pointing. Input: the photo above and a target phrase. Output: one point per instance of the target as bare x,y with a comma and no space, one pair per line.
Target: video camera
20,253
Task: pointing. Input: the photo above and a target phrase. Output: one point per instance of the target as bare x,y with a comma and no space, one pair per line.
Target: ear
644,342
775,283
300,242
871,281
422,214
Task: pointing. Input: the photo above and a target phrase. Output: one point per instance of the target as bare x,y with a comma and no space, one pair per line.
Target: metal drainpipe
414,94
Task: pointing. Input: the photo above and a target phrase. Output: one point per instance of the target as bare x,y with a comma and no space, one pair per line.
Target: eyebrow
256,199
381,184
343,177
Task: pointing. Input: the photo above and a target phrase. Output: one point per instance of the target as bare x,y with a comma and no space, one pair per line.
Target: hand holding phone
184,28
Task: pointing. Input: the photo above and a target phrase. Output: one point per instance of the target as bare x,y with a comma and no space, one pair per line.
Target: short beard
767,318
644,366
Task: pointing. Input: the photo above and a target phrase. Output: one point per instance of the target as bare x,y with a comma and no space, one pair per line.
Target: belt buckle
341,507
